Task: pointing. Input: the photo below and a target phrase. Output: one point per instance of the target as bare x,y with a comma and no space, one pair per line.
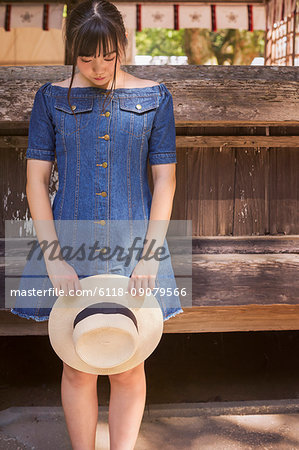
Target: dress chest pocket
137,114
67,122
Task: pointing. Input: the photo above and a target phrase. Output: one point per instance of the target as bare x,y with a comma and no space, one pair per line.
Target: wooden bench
237,180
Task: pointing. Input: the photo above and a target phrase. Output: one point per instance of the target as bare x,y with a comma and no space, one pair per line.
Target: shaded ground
203,367
202,426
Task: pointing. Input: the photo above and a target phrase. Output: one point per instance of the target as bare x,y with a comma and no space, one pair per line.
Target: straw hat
105,334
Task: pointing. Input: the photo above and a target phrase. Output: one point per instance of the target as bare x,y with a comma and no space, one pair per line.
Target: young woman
103,125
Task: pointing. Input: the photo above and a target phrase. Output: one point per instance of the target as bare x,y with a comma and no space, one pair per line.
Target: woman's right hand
63,277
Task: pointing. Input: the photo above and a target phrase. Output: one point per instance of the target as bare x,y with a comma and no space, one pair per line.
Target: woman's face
100,67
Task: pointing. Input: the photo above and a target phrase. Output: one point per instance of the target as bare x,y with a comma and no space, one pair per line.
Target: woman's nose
97,66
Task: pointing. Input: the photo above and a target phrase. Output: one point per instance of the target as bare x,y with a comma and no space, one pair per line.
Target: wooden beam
12,325
283,244
13,142
237,2
204,319
230,292
243,279
207,319
220,95
237,141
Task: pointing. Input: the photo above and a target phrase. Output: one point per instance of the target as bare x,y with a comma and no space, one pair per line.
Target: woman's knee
77,377
129,376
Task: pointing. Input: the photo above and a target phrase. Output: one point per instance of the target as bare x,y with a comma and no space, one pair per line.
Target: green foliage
160,41
227,46
233,47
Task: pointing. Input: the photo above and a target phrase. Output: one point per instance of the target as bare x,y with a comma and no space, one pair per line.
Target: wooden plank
146,1
248,246
13,178
15,128
249,142
237,141
195,1
238,288
284,192
207,319
239,95
210,199
12,187
243,279
233,191
250,213
237,283
205,189
214,245
204,319
12,325
281,244
244,124
28,76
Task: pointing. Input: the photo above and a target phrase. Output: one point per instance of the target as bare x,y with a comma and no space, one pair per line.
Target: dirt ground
203,367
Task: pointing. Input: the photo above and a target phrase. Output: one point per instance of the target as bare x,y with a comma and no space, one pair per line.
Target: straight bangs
92,34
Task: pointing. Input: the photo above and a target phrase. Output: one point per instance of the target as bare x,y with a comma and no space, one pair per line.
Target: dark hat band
105,308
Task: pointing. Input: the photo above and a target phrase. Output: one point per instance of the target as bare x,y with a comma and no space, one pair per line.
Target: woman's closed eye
89,60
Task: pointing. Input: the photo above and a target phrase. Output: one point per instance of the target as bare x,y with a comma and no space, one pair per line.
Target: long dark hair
91,23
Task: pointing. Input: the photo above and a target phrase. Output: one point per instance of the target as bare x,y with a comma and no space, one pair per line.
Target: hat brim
146,309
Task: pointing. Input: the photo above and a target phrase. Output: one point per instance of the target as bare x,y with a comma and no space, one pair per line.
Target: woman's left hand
143,276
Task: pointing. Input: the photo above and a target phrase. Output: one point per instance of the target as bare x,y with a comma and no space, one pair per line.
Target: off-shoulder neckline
99,89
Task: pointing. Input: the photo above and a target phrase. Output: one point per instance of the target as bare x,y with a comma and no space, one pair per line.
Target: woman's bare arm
145,271
164,180
61,274
37,191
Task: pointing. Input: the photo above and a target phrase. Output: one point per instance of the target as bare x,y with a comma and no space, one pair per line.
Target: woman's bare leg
127,401
80,404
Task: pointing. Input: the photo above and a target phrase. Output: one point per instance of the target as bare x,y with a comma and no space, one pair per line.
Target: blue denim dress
103,189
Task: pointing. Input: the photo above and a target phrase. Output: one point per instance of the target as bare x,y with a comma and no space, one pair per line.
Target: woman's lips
100,78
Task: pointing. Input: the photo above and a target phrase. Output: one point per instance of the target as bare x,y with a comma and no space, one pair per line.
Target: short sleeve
162,145
41,136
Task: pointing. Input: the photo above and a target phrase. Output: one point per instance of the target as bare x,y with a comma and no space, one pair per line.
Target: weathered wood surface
228,192
233,191
232,279
260,2
245,279
237,141
195,1
238,191
255,95
248,283
245,244
194,141
146,1
204,319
